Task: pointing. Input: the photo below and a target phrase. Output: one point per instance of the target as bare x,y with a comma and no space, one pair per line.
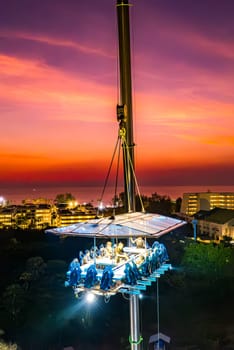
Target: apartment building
6,215
69,217
216,223
42,215
193,202
35,216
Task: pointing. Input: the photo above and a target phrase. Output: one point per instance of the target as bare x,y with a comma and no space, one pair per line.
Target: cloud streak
38,38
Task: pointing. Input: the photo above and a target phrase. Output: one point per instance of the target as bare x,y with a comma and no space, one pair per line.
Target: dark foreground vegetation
37,312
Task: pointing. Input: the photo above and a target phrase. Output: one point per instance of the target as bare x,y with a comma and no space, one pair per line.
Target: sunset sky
59,89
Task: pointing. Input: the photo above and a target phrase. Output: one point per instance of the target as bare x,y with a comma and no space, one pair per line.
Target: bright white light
2,201
90,297
141,296
101,206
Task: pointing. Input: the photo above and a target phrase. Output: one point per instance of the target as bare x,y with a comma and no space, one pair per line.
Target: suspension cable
133,172
117,175
127,175
109,170
121,140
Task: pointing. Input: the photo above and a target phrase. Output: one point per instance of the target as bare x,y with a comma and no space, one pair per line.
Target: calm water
88,194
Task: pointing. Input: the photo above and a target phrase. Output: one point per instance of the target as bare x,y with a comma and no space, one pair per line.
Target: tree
64,198
5,346
178,204
160,204
25,279
208,261
13,300
141,200
36,267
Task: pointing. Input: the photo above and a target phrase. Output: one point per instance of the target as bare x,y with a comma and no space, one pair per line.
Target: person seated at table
138,242
119,253
109,250
86,257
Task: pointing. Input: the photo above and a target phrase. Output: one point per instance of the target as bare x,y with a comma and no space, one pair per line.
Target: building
69,217
28,216
6,217
45,216
216,223
39,214
194,202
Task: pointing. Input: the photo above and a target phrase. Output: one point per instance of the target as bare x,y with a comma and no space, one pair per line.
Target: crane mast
124,116
124,108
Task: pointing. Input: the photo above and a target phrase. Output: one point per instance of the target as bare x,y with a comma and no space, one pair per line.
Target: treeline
156,203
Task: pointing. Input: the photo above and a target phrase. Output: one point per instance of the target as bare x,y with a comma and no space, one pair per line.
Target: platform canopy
122,226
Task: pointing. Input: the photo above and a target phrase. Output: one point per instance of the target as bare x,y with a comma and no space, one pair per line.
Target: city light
2,201
101,206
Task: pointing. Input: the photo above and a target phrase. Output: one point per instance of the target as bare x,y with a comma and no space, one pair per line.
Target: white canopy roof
155,337
122,226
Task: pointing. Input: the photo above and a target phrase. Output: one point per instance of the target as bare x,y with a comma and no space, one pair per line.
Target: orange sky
58,92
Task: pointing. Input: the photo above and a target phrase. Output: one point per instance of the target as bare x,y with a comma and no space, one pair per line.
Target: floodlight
90,297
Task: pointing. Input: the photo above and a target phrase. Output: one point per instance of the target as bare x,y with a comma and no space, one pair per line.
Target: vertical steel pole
135,338
125,81
127,123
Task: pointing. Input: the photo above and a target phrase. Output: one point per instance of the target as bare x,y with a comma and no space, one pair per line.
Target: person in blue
145,267
153,261
81,256
91,277
135,270
163,256
130,277
107,278
74,264
159,252
73,274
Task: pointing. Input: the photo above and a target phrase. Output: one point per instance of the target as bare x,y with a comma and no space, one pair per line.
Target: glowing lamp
101,206
2,200
90,298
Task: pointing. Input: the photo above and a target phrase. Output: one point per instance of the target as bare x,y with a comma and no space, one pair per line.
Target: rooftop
216,215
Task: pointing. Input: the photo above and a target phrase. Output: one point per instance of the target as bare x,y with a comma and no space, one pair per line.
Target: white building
216,223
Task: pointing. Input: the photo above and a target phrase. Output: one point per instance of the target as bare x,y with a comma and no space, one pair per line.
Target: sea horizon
16,195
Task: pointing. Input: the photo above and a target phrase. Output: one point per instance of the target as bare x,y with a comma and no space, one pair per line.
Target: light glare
2,200
101,206
90,297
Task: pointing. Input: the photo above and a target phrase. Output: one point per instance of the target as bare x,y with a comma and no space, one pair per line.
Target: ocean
15,195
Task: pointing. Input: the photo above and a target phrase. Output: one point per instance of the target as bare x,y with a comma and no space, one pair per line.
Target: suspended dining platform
116,268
